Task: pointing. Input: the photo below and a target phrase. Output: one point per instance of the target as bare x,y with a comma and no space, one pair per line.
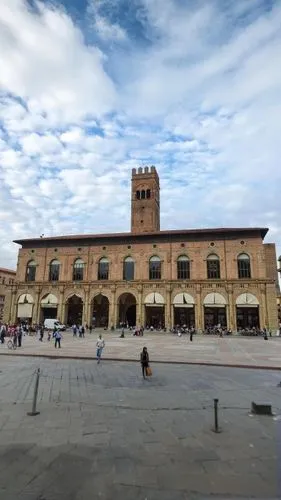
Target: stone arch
247,311
126,305
214,310
68,295
25,305
106,293
48,306
74,306
100,310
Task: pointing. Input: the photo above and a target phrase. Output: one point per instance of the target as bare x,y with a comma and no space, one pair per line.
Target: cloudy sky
90,89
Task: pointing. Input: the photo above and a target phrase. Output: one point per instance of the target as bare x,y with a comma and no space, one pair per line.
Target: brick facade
7,278
109,301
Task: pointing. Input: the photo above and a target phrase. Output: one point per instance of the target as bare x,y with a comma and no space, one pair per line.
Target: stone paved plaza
241,351
105,433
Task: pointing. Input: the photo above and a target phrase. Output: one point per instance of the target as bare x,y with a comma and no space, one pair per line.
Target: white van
51,323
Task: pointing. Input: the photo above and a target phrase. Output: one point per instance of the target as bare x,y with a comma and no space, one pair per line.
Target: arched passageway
154,310
100,311
49,307
74,311
127,309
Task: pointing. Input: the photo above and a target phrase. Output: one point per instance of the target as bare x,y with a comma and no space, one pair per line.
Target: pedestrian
122,336
83,331
91,327
100,346
41,332
144,359
191,335
19,335
2,333
57,339
74,329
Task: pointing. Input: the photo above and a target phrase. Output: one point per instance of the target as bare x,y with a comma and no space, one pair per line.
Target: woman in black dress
144,359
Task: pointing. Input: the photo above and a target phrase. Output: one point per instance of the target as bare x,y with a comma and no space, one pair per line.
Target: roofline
10,271
173,232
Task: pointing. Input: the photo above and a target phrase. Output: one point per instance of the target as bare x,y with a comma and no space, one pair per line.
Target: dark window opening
78,271
128,270
103,270
183,268
213,268
148,194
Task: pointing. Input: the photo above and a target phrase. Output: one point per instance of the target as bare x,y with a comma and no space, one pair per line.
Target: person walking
2,333
100,346
191,332
19,335
144,359
57,339
90,329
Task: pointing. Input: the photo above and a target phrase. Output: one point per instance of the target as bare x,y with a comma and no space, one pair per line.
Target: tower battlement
140,171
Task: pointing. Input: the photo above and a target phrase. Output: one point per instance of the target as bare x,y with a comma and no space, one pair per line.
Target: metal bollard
33,412
216,428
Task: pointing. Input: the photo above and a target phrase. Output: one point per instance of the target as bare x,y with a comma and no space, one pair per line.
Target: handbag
148,371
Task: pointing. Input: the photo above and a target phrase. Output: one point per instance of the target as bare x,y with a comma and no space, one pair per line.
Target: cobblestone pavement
253,351
105,433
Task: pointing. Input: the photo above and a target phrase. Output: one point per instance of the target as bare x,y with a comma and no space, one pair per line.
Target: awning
50,301
25,298
154,299
25,311
247,300
183,300
214,300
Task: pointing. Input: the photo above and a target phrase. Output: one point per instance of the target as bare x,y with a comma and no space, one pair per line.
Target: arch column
168,308
13,309
231,311
60,307
112,310
85,306
199,310
263,310
140,309
36,308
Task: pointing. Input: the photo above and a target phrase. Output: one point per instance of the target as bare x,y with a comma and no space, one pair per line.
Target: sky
91,89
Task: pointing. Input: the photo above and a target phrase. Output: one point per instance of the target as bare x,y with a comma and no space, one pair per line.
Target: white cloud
44,60
193,88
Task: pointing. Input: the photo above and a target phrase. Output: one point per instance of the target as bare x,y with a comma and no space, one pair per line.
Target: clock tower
145,202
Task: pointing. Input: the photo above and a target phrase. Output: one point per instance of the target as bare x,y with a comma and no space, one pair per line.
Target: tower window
143,194
138,195
148,193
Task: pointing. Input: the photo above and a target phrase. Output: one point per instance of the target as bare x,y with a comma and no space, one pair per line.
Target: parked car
51,323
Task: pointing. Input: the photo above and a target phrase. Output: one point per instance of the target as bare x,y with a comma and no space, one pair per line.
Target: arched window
138,195
213,267
54,270
155,268
148,193
30,271
244,266
78,270
128,269
103,269
143,194
183,268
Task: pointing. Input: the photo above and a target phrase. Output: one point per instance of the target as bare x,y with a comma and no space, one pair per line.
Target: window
183,268
54,270
155,268
78,270
213,267
148,194
30,271
143,194
128,269
244,266
138,195
103,269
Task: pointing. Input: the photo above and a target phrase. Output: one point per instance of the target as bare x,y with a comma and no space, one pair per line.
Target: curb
128,360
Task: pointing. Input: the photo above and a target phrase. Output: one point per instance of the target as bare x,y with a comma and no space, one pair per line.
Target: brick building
198,277
7,278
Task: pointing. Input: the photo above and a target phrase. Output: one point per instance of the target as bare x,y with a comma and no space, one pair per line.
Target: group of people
15,333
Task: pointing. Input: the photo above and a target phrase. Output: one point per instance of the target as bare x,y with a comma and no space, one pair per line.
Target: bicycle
11,344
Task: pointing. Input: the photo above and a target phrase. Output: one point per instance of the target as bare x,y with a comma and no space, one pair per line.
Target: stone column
112,308
60,306
168,316
139,311
199,309
231,323
36,308
85,306
263,309
13,309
